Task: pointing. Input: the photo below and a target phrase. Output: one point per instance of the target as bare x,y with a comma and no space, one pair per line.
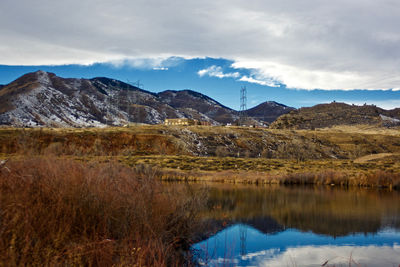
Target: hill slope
328,115
188,100
267,112
43,99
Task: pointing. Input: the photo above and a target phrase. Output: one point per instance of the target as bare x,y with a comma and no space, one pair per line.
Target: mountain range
44,99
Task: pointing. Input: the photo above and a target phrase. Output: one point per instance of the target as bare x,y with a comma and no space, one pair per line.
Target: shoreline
333,173
378,180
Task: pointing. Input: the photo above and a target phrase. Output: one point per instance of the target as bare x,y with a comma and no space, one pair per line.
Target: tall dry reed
377,179
62,212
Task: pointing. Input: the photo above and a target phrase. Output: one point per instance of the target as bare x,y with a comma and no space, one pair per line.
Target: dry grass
203,141
61,212
234,154
379,179
340,142
372,157
362,129
384,172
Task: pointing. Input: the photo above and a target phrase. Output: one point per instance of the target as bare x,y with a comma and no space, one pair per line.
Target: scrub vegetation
65,213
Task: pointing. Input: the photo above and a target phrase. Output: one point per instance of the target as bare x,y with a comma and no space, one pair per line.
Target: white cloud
266,82
138,63
302,78
158,63
216,71
373,256
304,44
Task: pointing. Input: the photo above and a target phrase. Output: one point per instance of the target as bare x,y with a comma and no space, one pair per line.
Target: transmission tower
138,84
243,105
133,111
128,101
109,111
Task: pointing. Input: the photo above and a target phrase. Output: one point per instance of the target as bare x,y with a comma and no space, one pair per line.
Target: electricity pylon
243,105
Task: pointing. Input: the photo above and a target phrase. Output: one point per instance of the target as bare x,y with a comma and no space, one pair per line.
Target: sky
299,53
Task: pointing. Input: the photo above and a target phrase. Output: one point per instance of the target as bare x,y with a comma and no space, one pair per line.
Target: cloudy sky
295,52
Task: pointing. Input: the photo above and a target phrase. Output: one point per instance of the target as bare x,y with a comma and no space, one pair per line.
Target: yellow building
182,121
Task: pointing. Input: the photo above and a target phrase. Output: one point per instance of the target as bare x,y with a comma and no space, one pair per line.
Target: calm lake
299,226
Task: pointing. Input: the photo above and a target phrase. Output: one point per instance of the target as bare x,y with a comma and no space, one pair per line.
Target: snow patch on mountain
43,99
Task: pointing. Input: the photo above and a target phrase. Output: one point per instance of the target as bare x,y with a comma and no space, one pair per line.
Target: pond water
281,226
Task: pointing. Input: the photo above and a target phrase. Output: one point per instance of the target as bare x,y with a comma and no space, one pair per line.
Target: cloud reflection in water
243,245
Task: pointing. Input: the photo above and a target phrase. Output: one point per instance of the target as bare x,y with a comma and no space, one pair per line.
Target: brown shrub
222,151
381,179
61,212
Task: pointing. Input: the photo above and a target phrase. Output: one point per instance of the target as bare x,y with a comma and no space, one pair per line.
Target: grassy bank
343,155
336,143
57,212
383,172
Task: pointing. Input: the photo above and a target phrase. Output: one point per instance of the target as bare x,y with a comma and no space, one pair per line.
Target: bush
61,212
221,151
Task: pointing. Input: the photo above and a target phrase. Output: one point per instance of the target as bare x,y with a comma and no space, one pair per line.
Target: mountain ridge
44,99
268,111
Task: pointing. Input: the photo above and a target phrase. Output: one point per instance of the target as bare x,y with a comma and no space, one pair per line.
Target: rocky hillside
200,141
193,102
327,115
44,99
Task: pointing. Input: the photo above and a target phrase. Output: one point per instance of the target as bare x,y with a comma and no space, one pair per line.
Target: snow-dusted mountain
44,99
268,111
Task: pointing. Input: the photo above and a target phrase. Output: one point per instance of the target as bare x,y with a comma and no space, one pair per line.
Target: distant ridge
44,99
328,115
267,112
191,100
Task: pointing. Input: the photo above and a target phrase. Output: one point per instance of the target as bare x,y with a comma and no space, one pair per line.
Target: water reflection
279,226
